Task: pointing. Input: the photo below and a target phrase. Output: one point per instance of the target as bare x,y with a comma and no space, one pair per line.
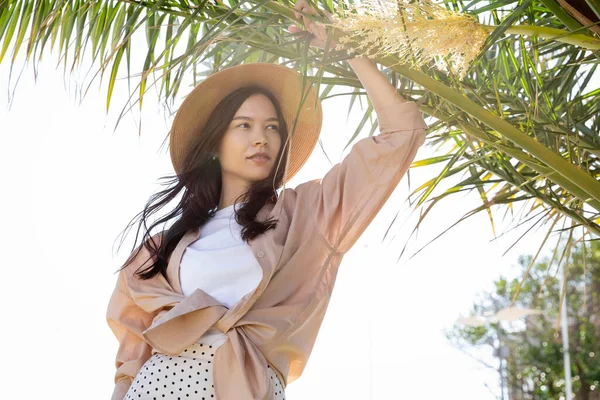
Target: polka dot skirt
182,377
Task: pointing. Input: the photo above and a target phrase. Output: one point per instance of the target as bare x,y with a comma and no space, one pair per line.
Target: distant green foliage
534,364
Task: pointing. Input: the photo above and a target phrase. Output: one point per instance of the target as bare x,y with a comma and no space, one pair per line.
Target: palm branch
521,127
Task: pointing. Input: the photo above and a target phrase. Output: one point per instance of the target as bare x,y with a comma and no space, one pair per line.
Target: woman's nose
259,137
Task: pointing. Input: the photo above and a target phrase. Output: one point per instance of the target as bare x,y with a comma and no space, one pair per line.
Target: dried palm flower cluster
416,31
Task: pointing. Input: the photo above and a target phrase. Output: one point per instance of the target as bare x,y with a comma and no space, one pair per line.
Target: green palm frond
522,127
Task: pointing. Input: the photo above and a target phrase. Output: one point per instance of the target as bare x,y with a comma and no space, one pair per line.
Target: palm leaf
521,127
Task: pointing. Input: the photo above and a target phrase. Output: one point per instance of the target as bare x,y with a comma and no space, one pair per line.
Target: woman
227,302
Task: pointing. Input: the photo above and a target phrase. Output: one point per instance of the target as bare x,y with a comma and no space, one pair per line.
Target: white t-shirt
221,264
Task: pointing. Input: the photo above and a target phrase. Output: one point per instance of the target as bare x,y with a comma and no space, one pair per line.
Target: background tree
532,349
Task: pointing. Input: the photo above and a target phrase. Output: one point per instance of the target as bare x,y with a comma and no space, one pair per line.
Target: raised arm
349,196
381,93
345,201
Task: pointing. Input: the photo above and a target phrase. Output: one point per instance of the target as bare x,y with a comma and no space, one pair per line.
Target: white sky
70,185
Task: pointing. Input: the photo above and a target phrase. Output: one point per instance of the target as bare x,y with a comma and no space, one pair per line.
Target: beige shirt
277,323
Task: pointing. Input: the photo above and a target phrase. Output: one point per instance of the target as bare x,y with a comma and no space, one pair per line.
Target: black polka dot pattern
183,377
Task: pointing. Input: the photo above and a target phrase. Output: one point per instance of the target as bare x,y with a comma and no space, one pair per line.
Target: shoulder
286,202
307,185
296,206
303,196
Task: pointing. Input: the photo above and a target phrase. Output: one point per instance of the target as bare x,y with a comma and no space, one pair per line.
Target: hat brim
302,114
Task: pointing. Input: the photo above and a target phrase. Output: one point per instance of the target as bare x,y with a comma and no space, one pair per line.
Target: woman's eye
246,124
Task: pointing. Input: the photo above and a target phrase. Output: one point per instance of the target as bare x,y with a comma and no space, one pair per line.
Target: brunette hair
199,185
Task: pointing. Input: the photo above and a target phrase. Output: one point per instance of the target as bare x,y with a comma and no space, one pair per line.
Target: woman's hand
319,32
381,93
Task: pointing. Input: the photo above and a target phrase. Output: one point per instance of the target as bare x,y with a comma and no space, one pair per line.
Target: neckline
245,302
228,210
224,211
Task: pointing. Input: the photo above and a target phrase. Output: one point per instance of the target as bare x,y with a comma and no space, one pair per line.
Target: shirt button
260,254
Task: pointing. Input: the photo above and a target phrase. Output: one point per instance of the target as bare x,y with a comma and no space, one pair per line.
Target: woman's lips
259,159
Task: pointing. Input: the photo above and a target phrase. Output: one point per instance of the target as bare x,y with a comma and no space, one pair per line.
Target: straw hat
285,84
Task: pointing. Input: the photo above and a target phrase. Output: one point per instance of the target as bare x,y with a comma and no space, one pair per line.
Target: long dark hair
200,188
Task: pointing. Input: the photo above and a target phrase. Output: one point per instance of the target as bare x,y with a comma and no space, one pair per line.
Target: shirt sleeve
127,322
348,197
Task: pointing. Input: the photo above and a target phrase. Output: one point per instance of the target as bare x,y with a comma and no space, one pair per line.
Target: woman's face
253,129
